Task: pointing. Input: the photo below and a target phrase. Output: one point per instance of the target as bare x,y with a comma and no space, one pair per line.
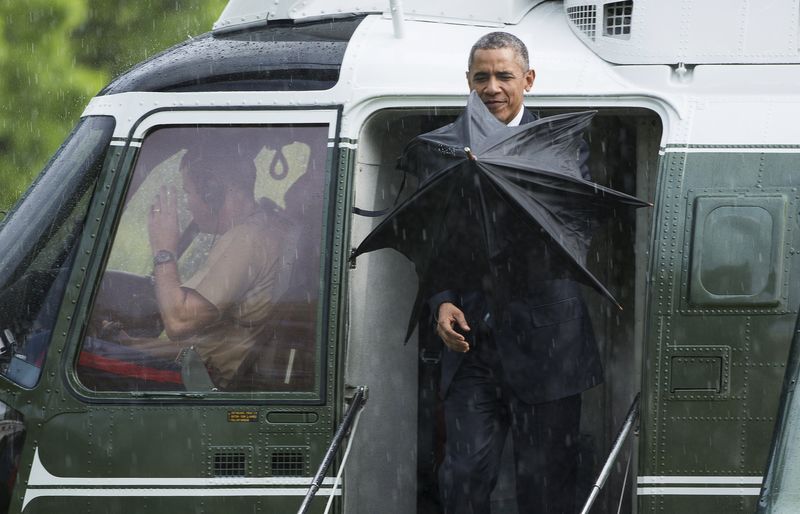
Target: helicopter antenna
396,8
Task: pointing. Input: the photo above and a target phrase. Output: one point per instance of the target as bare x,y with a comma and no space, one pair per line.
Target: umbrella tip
470,155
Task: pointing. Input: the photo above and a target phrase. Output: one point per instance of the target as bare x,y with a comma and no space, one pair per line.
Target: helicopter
696,107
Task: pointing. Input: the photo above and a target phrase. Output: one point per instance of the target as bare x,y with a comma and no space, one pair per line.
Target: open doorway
624,146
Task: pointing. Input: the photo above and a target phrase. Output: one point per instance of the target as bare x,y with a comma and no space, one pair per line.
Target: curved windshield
37,248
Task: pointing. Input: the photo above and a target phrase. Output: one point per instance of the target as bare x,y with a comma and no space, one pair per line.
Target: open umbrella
504,187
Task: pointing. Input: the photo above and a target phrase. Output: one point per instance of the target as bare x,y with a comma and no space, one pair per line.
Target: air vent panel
288,462
584,17
617,19
230,461
230,464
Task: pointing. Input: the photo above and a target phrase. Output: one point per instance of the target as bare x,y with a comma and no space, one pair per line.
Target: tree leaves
56,54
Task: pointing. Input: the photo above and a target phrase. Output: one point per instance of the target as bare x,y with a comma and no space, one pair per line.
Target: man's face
498,78
201,212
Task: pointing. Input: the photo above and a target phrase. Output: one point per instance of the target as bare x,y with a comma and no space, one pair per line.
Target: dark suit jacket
526,302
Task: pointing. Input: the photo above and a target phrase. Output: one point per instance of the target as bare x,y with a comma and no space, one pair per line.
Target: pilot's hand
162,224
451,317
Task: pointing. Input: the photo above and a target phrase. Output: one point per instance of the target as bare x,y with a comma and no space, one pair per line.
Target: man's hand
448,319
162,223
184,311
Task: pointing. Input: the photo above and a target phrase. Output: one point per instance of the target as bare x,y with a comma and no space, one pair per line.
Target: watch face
163,256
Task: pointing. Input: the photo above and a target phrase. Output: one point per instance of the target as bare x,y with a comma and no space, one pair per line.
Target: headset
212,191
208,171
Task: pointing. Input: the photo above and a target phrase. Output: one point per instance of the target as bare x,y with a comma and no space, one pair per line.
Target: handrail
630,419
770,498
358,402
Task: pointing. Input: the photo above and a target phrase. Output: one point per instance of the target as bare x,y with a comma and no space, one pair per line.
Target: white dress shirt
515,122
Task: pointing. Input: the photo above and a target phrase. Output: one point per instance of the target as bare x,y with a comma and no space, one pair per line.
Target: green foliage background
55,55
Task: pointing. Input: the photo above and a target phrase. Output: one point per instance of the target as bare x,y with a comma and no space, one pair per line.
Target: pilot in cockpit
220,310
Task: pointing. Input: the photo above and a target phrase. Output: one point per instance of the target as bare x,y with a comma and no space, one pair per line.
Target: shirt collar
518,118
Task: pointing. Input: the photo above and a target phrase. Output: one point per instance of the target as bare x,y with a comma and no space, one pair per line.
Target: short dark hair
496,40
229,169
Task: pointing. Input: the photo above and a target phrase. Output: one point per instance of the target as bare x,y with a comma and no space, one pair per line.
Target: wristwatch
163,257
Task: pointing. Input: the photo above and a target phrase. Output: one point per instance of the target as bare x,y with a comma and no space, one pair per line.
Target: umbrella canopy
487,190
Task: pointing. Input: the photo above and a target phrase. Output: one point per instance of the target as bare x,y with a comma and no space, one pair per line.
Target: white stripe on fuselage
713,485
42,483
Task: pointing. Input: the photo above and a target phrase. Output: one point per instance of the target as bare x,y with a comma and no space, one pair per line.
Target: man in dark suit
519,344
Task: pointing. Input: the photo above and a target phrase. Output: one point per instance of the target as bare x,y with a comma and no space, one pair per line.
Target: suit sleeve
446,296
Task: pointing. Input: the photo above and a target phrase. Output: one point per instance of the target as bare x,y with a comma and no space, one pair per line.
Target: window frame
107,212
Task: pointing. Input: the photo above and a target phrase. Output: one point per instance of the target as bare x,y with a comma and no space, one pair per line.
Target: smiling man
501,75
518,364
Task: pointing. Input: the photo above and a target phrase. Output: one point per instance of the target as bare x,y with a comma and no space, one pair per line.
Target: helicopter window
212,282
39,240
729,265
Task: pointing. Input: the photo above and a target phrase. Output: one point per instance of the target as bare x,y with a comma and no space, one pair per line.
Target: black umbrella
505,187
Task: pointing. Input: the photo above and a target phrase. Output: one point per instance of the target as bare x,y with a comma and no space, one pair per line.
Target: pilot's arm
183,311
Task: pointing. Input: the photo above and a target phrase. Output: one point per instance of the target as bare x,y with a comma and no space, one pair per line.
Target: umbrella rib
581,118
590,189
502,188
422,191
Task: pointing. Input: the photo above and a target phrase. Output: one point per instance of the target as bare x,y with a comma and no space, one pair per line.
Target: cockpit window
213,281
39,239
